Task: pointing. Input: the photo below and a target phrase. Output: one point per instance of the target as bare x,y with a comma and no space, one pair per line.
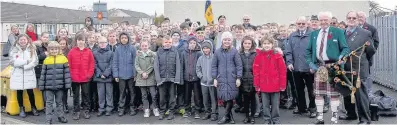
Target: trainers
197,115
62,120
100,113
121,112
76,115
87,114
214,117
147,113
171,116
133,112
206,116
107,113
186,114
161,117
156,112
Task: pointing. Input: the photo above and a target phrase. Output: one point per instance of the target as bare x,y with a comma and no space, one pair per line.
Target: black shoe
76,115
325,109
48,122
296,111
133,112
35,112
197,115
161,117
224,120
238,109
214,117
107,113
66,109
252,121
363,123
86,114
344,117
22,112
186,114
231,119
268,122
293,106
100,114
319,121
312,115
206,116
121,112
247,120
171,116
62,120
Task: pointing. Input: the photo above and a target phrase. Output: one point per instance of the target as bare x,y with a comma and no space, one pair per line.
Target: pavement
287,117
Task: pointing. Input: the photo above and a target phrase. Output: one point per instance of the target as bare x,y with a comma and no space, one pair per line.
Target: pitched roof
135,13
131,20
18,12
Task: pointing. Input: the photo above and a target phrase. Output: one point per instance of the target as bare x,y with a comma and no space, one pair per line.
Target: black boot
374,112
247,120
66,109
22,112
34,111
62,120
224,120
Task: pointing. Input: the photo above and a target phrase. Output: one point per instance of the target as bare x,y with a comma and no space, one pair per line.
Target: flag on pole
209,16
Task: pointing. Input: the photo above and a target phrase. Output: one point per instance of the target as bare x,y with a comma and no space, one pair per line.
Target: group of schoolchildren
167,78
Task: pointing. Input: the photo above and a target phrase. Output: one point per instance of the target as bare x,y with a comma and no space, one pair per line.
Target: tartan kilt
322,88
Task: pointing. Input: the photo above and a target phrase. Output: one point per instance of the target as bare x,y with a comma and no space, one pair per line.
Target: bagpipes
336,72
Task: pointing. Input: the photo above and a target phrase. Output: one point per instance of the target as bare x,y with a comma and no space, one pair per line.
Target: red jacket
269,72
81,64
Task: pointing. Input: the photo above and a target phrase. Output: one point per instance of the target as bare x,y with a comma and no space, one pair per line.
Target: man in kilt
326,46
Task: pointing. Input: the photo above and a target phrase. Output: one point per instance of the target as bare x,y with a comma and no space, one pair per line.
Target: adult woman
63,33
11,39
23,60
31,33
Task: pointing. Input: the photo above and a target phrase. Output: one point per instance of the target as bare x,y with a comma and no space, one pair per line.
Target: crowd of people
256,69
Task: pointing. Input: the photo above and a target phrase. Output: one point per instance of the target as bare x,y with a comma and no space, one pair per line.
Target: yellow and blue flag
209,16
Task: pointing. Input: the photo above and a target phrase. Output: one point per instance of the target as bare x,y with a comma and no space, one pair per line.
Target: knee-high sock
320,106
334,108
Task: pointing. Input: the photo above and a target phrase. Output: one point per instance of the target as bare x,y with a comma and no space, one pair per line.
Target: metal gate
384,70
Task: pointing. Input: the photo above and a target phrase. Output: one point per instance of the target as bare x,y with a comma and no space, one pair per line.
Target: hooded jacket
103,65
82,64
189,60
144,63
203,66
167,66
23,63
247,82
55,74
123,66
41,48
269,72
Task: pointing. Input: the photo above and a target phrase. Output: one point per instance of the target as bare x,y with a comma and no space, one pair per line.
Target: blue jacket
123,66
295,51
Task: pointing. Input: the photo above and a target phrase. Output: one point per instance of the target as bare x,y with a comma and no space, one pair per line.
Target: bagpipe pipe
335,74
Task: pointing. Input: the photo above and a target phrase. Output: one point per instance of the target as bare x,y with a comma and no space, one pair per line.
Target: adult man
355,38
314,22
327,45
334,21
222,20
246,22
295,51
374,33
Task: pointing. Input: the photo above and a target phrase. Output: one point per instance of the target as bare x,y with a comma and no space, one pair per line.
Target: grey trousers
50,96
153,94
258,104
125,84
210,99
105,96
272,99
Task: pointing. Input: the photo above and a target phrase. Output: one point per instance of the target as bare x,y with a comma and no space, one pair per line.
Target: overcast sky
146,6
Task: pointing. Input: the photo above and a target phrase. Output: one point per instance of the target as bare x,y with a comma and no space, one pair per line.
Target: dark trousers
31,97
196,88
362,103
65,98
85,96
116,95
302,80
124,86
146,90
93,96
228,108
167,97
105,97
180,96
292,88
249,103
51,96
271,102
210,99
239,100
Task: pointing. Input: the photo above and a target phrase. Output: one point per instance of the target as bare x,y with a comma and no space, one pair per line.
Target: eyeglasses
351,18
103,42
246,19
300,23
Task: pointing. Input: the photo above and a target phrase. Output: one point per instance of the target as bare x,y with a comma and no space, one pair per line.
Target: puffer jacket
41,48
226,69
247,81
189,59
144,64
123,66
55,74
23,63
82,64
103,65
269,71
203,68
167,66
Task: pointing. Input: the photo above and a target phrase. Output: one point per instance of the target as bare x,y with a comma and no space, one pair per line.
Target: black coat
103,65
375,38
247,81
55,74
40,50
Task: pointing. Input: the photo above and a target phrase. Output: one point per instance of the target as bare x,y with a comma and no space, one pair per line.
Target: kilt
322,88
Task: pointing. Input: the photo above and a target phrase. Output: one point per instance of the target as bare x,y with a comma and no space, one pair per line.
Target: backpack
386,104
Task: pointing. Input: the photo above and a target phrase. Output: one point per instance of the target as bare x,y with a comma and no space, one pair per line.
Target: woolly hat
207,43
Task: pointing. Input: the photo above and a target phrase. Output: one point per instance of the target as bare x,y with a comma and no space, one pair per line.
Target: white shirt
318,45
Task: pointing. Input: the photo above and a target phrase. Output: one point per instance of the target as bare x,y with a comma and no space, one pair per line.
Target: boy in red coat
81,63
269,78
